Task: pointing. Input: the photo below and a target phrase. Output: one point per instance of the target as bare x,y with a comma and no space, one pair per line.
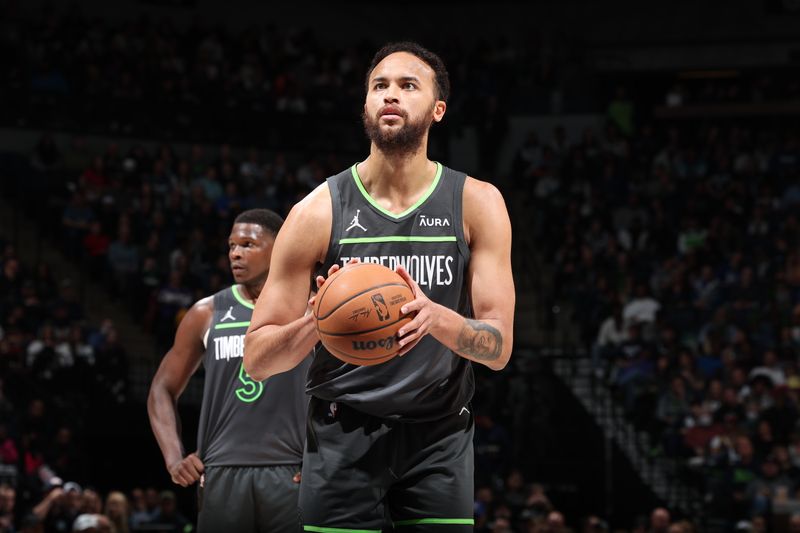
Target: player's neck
389,175
251,291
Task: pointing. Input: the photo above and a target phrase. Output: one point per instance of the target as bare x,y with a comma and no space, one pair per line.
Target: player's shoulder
479,193
479,186
195,322
203,308
314,208
484,209
305,234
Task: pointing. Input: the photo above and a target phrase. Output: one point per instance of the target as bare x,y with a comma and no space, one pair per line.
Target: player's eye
380,85
409,86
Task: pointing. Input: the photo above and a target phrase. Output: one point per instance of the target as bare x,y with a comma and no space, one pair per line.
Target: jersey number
251,390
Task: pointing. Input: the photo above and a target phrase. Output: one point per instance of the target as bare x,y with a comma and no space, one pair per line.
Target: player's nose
392,94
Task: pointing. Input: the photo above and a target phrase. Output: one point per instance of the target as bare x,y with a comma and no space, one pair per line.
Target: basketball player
251,434
393,442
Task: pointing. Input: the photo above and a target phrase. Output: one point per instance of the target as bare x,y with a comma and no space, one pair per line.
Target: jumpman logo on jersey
228,315
354,223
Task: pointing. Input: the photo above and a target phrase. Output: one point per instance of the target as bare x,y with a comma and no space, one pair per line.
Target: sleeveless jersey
244,422
430,381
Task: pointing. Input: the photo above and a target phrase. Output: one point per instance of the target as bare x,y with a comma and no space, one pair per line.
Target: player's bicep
298,248
491,282
186,354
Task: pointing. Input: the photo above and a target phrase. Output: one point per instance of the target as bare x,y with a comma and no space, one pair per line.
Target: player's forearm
271,349
484,341
162,409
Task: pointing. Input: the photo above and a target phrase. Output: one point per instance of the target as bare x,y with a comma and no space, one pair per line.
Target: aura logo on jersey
427,270
431,222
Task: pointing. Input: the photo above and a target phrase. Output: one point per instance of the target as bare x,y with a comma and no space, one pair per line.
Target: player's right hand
187,471
320,280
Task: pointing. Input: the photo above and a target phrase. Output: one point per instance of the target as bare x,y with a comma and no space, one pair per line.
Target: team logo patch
355,223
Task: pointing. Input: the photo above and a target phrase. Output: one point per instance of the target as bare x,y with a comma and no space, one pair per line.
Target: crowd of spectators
57,368
69,507
515,506
266,84
154,78
677,248
733,88
152,225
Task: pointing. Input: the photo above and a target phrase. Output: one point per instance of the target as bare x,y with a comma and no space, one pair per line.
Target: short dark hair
441,76
269,220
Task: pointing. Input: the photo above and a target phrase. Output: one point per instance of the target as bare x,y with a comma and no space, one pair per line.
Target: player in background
251,434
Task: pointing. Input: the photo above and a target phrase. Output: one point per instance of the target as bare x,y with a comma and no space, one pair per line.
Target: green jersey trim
368,198
397,238
231,325
338,530
241,299
419,521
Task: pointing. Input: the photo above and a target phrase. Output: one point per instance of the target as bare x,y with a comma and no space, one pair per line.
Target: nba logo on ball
343,308
380,307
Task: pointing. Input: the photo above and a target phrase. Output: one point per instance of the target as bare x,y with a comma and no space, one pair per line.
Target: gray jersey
430,381
244,422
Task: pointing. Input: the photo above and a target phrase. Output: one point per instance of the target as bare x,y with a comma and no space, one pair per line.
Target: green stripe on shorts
318,529
447,521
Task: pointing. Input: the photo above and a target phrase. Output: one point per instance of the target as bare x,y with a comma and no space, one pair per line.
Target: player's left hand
297,477
425,318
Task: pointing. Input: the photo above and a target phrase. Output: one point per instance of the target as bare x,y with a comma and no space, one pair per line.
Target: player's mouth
237,269
391,112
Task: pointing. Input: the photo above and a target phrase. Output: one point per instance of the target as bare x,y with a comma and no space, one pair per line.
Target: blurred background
649,154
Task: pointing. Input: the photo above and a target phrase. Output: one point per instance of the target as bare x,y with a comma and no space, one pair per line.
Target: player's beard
401,142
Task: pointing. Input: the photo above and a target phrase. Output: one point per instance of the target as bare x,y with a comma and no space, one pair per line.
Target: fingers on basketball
358,313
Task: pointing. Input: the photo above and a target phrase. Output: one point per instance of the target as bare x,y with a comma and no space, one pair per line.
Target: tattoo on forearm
480,340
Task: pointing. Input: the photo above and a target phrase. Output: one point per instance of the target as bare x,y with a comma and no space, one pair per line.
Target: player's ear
439,108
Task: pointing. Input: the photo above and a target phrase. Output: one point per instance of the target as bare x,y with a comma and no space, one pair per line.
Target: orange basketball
358,313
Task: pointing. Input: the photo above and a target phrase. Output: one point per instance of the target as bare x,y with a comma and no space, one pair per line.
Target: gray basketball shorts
370,474
248,498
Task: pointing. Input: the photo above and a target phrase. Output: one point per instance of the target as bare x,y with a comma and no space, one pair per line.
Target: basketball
358,313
